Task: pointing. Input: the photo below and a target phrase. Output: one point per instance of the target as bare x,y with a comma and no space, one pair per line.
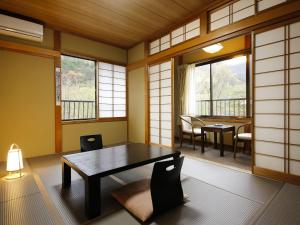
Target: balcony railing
222,107
78,109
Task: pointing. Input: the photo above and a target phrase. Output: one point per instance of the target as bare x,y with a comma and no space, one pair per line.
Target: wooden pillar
57,98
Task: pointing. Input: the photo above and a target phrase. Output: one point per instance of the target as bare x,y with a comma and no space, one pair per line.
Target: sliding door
160,83
277,98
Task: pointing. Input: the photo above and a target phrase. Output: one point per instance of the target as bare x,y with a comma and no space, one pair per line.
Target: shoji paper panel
219,18
265,4
243,9
160,94
154,47
154,95
277,97
268,162
269,92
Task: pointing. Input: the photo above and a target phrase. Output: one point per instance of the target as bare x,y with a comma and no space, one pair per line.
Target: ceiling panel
122,23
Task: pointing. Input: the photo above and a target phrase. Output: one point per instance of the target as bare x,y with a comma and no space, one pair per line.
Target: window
221,88
78,88
87,96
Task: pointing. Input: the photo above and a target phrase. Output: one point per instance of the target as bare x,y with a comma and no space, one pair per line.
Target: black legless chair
90,142
147,198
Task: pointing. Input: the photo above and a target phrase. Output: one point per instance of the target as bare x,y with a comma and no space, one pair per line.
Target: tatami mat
218,195
246,185
21,202
284,209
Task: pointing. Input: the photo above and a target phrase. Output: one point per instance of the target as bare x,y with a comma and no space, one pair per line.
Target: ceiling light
213,48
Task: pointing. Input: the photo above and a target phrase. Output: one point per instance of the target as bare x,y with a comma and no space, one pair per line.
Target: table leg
66,175
221,143
92,197
233,134
215,140
202,140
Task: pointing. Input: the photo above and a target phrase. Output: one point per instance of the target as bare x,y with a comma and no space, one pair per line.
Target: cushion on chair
245,136
196,131
136,198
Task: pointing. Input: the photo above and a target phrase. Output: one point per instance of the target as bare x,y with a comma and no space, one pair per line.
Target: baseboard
275,175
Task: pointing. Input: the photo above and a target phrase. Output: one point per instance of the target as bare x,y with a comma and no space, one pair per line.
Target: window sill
226,119
100,120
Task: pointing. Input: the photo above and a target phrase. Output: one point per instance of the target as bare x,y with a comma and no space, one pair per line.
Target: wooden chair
90,142
187,128
245,137
147,198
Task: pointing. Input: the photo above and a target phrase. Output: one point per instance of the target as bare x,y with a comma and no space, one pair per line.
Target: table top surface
219,126
107,161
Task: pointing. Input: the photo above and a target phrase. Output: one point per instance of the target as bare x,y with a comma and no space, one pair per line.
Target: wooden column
57,98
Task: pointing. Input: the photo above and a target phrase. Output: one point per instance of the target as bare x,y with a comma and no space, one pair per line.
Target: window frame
97,118
223,58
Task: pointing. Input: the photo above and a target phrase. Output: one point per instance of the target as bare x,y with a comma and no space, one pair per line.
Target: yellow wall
92,48
112,133
27,104
27,98
136,91
136,96
136,53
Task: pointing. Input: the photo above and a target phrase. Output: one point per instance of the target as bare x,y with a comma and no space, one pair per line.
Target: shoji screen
265,4
160,101
277,99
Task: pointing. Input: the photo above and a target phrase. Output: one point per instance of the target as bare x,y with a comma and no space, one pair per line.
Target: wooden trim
290,178
203,23
32,50
114,119
57,110
172,103
127,103
253,98
227,120
146,105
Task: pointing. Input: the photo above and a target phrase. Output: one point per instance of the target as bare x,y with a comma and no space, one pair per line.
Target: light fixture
14,162
213,48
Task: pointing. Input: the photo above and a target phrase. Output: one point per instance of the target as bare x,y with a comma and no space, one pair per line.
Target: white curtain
189,91
188,98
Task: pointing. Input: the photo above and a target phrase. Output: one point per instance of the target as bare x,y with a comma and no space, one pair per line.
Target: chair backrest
247,128
90,142
166,189
186,122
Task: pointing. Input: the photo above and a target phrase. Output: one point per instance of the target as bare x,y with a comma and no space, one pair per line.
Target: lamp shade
14,159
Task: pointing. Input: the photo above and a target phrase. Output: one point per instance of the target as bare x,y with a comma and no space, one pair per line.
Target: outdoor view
78,88
228,83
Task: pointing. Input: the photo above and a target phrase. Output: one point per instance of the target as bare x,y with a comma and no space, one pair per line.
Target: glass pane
202,89
229,87
78,88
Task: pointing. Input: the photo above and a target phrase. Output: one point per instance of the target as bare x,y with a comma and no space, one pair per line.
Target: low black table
95,164
221,129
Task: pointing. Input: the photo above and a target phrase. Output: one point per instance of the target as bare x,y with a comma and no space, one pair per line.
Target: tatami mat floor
217,195
243,161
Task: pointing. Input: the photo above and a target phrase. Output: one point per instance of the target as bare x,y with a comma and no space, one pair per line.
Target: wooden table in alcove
217,129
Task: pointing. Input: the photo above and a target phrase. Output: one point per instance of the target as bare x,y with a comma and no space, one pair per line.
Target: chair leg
191,140
181,137
193,137
234,149
245,147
